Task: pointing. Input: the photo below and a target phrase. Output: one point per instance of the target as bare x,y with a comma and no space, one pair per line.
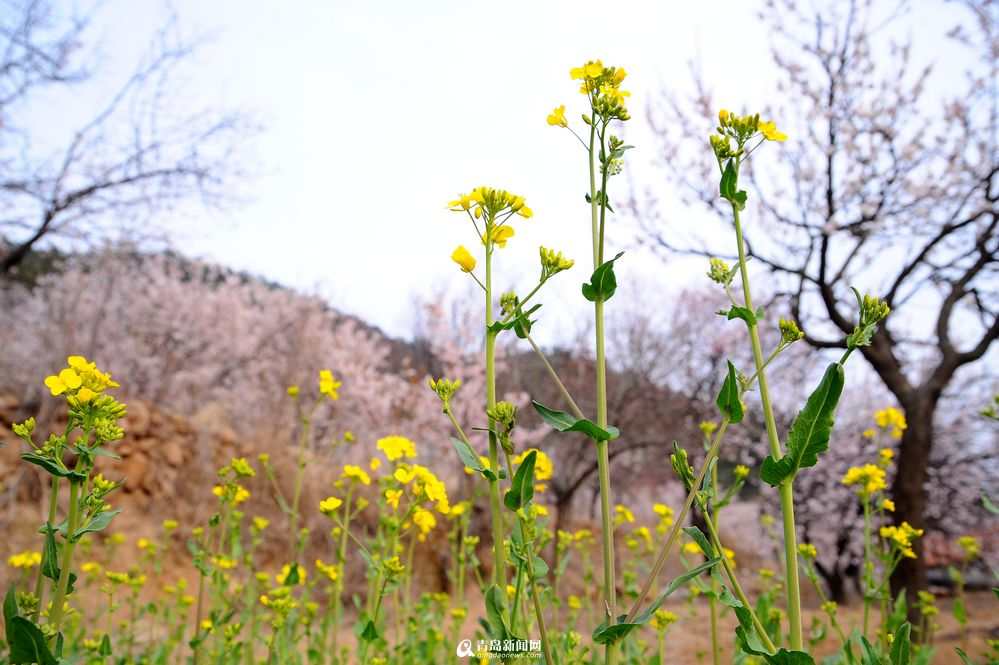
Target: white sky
377,113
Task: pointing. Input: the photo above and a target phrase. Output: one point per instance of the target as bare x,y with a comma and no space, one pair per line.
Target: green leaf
786,657
728,399
521,317
729,183
900,650
294,577
470,459
370,633
958,611
53,467
522,487
564,422
10,609
602,283
869,655
743,313
27,644
496,613
963,656
105,648
50,560
809,432
989,506
97,523
605,634
700,539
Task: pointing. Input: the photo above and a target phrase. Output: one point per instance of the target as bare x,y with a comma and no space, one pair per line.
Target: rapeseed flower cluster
868,479
900,537
889,420
81,379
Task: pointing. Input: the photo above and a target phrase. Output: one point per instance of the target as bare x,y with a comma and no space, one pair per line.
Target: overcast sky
376,113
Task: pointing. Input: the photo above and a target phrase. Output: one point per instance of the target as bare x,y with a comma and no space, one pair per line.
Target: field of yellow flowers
248,588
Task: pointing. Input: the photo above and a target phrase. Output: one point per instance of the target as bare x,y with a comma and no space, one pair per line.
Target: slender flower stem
868,563
713,518
499,554
554,377
740,594
786,490
545,646
53,504
66,564
677,525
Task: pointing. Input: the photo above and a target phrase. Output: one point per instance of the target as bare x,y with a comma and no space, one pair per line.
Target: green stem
53,504
786,490
545,646
868,563
740,594
299,474
554,377
713,517
499,555
677,525
67,559
603,460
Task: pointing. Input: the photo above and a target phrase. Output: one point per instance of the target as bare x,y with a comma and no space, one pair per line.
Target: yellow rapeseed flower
769,131
392,497
590,70
67,379
25,560
329,505
356,473
328,385
868,478
404,476
557,117
500,234
463,258
396,447
329,571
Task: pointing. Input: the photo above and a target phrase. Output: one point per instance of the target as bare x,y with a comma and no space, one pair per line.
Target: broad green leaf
900,649
99,521
50,559
522,487
602,283
52,467
728,187
105,648
470,459
728,399
743,313
521,317
370,632
809,432
565,422
10,609
868,654
700,539
496,613
605,634
786,657
27,644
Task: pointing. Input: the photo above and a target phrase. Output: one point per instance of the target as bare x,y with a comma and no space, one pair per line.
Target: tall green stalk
597,211
499,553
786,491
72,523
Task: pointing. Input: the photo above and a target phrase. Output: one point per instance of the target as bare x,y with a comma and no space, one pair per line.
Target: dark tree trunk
909,492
